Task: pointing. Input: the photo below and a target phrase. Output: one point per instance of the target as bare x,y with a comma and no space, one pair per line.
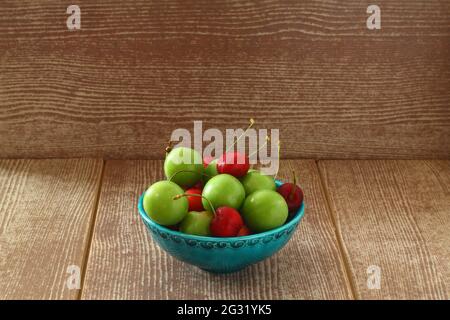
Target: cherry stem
169,147
252,122
291,194
179,171
265,143
276,174
195,195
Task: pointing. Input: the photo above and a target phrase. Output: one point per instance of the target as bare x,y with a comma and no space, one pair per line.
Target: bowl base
222,271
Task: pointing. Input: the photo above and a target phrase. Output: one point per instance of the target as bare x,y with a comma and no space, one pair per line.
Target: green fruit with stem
223,190
184,166
197,223
264,210
160,205
255,180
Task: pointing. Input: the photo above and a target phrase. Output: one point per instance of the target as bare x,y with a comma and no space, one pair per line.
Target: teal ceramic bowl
221,255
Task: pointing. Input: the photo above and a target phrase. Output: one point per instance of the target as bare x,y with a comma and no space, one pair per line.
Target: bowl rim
294,221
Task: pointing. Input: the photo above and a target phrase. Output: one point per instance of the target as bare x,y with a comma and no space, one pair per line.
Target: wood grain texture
46,207
124,263
395,215
135,72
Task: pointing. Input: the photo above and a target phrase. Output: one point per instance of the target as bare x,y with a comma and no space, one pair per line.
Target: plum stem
169,147
294,184
265,143
278,169
252,122
195,195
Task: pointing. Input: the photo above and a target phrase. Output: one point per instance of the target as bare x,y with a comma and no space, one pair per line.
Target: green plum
210,171
160,205
264,210
184,166
255,180
197,223
223,190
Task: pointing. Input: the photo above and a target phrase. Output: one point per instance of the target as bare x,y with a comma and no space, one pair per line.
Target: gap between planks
91,231
340,243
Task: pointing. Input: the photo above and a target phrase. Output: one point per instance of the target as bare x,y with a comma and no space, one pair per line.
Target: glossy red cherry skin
226,223
294,198
233,163
195,203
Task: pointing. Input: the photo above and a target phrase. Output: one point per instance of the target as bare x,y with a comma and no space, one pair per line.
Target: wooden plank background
46,210
394,215
124,263
139,69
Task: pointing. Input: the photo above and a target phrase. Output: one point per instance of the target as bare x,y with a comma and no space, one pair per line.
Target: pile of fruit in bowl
219,214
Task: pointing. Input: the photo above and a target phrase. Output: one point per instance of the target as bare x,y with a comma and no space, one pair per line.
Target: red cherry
195,203
244,231
226,223
293,196
234,163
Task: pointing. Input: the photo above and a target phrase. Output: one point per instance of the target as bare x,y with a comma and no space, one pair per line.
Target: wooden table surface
391,214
